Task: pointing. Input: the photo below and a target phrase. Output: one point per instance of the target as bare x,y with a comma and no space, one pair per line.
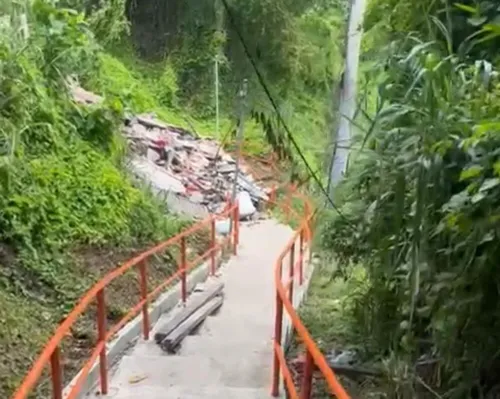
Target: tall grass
424,205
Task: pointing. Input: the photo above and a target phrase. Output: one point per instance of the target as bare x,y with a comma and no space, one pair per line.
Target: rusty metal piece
182,268
101,336
213,245
306,388
143,281
56,374
301,257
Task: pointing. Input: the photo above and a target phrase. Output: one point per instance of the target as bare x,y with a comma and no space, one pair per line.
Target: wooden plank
194,302
175,337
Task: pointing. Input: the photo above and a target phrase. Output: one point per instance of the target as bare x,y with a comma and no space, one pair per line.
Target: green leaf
478,197
477,21
471,172
494,28
457,201
486,127
487,238
496,168
488,184
424,311
466,8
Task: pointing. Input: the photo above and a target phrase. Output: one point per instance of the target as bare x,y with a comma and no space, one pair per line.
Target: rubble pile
194,176
175,161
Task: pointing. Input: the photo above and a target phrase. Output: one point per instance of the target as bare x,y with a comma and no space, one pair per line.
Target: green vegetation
420,203
327,296
326,312
63,190
70,212
296,45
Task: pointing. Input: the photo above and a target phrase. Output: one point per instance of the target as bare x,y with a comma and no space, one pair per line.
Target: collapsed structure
194,176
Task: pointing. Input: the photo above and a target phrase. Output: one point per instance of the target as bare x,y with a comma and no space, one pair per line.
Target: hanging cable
278,114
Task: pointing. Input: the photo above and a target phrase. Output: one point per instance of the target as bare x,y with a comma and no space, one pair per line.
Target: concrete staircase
231,354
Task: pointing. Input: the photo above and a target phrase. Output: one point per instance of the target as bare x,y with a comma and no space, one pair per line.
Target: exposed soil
264,169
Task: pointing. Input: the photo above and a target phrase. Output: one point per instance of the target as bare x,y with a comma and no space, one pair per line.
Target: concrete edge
298,297
133,329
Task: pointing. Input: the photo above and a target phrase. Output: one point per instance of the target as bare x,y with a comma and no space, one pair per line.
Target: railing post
236,237
183,267
278,325
272,197
301,256
143,281
288,204
306,388
308,220
212,246
101,335
56,374
292,272
311,223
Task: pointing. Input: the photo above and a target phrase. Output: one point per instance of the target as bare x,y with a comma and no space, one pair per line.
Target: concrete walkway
231,356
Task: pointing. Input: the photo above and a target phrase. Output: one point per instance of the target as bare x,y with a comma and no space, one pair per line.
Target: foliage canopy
421,203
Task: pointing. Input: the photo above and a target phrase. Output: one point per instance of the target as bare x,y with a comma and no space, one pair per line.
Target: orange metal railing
51,354
301,239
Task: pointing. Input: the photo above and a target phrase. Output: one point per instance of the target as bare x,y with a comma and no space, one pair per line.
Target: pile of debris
175,161
194,176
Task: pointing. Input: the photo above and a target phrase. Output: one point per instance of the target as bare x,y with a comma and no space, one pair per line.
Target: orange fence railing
51,354
301,239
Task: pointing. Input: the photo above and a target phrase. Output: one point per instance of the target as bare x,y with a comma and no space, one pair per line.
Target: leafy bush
422,215
72,196
60,163
167,87
115,79
469,27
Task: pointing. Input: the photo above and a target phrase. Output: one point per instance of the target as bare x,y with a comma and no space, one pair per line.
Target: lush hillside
69,210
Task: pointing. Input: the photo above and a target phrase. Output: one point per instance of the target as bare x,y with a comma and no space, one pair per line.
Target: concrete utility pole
239,138
219,21
216,73
347,106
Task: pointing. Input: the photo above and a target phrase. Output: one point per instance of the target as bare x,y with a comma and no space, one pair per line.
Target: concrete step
186,392
246,329
222,369
206,344
147,348
231,354
246,319
213,345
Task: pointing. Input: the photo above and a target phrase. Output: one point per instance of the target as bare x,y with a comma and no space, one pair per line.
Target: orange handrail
284,296
284,300
51,352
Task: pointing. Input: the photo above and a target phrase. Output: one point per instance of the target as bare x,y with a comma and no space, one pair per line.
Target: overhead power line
278,113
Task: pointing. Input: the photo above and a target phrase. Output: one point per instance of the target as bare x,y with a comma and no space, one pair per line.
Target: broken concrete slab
181,205
151,122
170,159
156,176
